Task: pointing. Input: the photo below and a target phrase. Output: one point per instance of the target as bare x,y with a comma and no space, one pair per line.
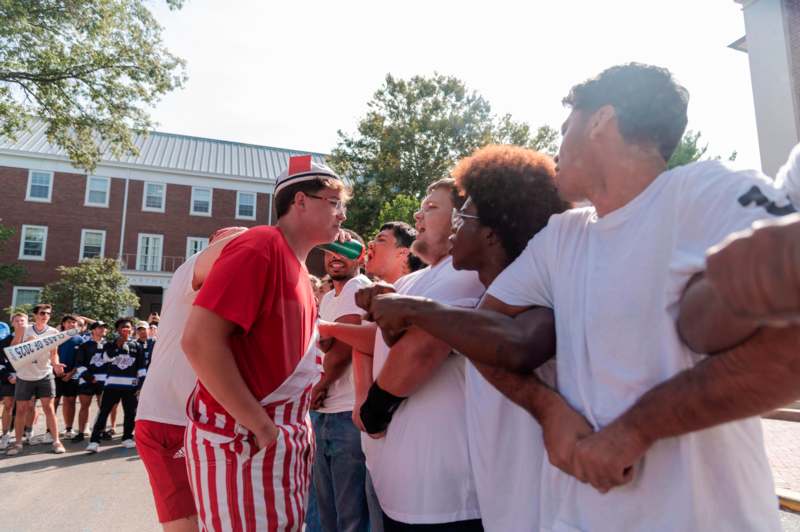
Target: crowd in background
107,364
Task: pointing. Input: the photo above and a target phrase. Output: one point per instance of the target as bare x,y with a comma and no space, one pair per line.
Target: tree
9,273
413,133
401,208
94,288
689,150
85,67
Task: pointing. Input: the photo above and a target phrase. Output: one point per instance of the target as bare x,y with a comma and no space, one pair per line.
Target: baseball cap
303,168
97,324
142,325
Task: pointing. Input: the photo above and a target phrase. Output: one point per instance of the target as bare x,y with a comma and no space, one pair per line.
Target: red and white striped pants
239,488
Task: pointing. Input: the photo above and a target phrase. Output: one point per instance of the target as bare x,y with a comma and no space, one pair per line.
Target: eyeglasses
44,312
457,218
335,203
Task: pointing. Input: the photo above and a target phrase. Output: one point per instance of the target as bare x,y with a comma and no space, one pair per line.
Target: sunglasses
457,218
44,313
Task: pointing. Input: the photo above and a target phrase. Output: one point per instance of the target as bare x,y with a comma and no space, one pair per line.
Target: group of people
578,343
92,363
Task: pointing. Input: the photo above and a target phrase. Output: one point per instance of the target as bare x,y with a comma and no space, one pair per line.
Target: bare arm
362,380
760,375
489,335
211,357
411,363
706,324
338,356
360,337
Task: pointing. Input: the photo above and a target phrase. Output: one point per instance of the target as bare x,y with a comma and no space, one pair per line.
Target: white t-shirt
421,468
41,367
341,394
615,284
788,177
170,378
506,450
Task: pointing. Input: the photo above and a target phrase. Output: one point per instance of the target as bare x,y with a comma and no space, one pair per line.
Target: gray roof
167,151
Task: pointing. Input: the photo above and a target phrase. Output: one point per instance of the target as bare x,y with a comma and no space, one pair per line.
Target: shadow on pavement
76,455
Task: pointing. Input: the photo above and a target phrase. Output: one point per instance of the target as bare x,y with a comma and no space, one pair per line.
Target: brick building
149,211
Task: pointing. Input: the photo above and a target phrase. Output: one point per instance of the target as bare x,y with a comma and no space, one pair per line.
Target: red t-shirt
258,284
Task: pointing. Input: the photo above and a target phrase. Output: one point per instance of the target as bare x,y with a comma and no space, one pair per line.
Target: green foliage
88,68
690,149
414,131
9,273
94,288
19,308
401,208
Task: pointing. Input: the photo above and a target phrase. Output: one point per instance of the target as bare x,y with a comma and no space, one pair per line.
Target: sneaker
58,448
112,431
14,450
41,438
5,439
105,435
93,447
129,443
26,437
79,437
68,434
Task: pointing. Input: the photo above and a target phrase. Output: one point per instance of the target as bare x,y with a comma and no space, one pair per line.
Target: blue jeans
339,474
312,511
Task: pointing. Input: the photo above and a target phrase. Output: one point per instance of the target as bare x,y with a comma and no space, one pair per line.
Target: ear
491,237
602,121
300,200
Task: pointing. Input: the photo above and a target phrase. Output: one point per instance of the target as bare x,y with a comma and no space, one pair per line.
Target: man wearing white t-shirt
419,464
36,380
661,449
338,470
161,415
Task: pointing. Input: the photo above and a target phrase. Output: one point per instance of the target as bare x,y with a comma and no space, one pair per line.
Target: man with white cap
251,338
161,415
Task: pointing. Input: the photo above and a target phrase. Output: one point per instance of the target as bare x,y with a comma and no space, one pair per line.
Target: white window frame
255,204
83,242
28,196
15,292
190,239
86,202
163,198
22,256
139,250
210,201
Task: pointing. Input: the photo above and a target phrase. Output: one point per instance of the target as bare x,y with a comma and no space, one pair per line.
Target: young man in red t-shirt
251,338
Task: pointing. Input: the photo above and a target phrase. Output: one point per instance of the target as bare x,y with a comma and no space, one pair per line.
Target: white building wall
770,70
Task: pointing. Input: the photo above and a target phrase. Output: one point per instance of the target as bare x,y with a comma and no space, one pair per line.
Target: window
148,254
33,242
153,197
93,244
25,295
97,191
201,201
195,245
40,186
246,205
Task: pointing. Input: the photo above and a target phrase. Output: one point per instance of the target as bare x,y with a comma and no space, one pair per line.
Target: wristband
378,409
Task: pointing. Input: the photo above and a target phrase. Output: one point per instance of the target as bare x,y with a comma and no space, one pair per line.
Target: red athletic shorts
160,447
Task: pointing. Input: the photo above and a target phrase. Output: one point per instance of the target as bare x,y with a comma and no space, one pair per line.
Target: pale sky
290,74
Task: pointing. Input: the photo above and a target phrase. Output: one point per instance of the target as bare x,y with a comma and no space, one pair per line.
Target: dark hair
121,321
285,198
66,317
450,184
404,235
513,190
650,105
41,306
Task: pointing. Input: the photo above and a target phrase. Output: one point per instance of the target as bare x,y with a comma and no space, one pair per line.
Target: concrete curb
789,500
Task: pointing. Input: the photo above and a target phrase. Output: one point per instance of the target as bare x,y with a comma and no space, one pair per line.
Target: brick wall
65,216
